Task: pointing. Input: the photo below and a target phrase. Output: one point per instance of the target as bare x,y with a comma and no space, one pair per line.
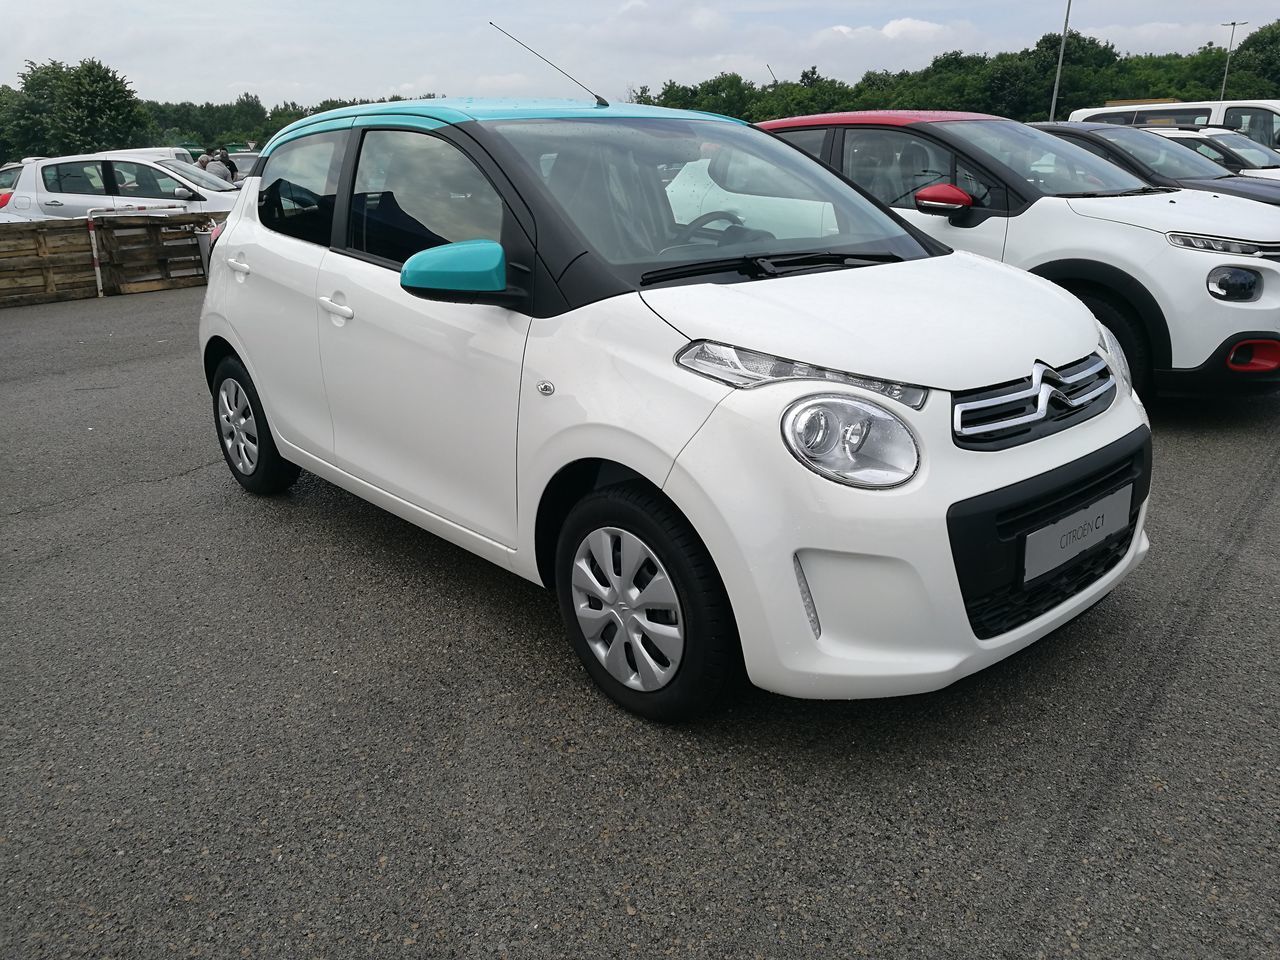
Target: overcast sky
307,50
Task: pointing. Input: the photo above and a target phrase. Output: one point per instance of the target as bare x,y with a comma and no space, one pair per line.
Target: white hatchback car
69,187
1227,148
766,424
1187,280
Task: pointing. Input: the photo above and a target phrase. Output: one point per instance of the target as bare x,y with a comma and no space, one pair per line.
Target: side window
1204,148
9,178
892,165
1118,118
141,180
1255,123
82,177
1173,118
808,139
414,191
300,185
1089,145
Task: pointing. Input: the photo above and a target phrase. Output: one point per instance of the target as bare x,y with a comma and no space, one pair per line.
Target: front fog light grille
1048,401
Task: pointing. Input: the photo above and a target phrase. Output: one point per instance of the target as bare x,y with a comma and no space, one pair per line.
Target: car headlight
851,441
1193,241
1115,353
746,368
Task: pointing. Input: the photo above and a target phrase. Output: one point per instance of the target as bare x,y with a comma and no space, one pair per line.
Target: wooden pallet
47,260
44,261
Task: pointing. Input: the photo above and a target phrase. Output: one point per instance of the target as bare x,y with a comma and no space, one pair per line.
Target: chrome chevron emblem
1045,386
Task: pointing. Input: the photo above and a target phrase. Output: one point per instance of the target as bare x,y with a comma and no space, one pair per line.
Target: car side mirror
469,271
942,199
182,193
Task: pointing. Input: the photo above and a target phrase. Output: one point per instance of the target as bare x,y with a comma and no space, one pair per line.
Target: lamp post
1057,77
1230,43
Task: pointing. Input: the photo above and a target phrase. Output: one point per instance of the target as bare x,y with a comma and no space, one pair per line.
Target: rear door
273,253
892,164
71,188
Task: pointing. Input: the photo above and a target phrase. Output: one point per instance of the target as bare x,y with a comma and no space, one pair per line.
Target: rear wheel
644,606
1133,339
244,434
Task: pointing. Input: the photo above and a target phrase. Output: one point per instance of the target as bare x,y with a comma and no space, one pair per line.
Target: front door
893,164
424,394
141,186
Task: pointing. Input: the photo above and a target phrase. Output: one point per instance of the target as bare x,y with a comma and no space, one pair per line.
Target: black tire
1133,339
711,661
270,473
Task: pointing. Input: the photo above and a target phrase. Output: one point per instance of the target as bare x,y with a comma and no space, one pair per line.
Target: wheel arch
1120,287
215,351
567,487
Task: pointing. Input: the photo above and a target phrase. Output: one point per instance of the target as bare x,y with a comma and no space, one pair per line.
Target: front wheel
1133,340
644,606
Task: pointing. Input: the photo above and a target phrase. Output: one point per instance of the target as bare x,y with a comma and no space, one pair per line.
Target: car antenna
600,101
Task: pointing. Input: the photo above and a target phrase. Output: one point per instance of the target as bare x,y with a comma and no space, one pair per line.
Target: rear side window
414,191
300,185
809,139
83,177
1123,118
9,178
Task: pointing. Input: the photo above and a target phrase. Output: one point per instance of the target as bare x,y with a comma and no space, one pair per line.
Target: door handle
238,266
53,203
340,313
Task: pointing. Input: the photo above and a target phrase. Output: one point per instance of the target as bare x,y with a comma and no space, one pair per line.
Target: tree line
59,108
1017,85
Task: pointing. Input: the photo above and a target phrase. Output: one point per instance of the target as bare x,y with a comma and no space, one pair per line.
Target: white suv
69,187
1188,281
766,424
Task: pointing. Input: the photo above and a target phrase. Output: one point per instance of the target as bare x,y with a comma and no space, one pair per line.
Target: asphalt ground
300,727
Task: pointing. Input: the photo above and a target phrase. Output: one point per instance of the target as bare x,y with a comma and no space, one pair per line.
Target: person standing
218,169
228,163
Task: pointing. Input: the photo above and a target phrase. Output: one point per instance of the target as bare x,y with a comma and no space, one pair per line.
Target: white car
69,187
1259,120
851,460
1187,280
1233,151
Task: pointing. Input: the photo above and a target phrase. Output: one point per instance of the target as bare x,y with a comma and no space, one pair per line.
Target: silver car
68,187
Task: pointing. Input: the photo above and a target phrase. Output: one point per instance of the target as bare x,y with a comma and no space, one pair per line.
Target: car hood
954,322
1187,211
1252,188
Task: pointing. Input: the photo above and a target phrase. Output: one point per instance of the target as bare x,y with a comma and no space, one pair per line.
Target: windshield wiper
760,267
1144,190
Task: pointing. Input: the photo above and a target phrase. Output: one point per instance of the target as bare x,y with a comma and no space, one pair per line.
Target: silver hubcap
628,609
239,429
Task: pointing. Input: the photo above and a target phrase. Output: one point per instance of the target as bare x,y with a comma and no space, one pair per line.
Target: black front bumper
988,534
1215,377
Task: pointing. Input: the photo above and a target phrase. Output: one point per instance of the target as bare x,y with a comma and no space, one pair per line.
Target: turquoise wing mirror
469,271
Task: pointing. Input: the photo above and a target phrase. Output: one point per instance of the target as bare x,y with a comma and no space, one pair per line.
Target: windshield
1161,154
1254,153
1053,167
203,180
650,193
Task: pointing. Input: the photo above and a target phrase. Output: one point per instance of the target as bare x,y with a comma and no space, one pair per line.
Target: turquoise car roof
443,111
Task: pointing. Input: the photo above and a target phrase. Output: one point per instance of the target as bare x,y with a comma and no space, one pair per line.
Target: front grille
1048,401
988,535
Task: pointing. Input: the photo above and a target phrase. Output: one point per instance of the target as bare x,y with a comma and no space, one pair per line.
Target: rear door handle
53,203
238,266
340,313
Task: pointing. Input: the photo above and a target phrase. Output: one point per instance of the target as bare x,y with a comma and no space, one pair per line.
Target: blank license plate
1050,547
